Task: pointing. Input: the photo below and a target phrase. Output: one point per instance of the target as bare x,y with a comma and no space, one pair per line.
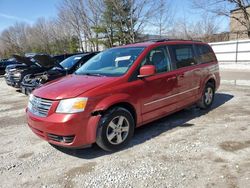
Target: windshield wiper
94,74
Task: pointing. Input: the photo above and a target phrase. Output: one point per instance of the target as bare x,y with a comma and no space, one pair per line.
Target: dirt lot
191,148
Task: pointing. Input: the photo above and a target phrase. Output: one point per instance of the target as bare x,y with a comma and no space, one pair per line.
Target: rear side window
205,54
184,55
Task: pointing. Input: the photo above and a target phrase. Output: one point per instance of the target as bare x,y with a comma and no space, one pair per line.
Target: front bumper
26,89
67,130
12,82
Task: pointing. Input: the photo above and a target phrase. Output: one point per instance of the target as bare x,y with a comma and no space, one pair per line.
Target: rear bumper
67,130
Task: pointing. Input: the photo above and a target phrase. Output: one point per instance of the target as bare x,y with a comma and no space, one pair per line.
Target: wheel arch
209,79
212,81
127,106
116,101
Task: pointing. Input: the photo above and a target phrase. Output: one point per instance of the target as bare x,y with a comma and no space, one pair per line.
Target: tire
207,98
115,129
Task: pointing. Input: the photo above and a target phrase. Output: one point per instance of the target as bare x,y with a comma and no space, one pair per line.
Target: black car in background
6,62
14,74
67,66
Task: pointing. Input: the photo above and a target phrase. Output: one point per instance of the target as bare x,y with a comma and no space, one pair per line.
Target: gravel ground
191,148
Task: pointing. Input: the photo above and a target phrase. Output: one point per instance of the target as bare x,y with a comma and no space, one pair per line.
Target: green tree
117,25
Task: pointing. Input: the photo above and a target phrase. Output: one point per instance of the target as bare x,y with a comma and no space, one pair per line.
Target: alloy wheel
117,130
209,95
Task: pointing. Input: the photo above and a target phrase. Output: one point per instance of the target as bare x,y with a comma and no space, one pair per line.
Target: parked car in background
67,66
29,64
123,88
6,62
15,73
61,57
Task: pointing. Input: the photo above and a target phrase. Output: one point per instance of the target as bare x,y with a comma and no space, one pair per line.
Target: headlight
30,104
73,105
18,74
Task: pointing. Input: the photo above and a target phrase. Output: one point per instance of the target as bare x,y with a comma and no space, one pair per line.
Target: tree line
87,25
83,25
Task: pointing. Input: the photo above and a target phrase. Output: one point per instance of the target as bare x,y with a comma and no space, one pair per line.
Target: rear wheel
207,98
115,130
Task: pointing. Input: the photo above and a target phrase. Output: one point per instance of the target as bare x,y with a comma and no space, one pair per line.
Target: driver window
159,58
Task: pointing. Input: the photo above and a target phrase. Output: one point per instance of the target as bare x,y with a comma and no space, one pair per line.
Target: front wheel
207,98
115,129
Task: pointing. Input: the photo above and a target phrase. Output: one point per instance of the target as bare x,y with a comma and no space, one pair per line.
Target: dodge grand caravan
123,88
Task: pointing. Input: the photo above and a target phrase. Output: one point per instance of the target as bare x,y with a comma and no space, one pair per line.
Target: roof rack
168,39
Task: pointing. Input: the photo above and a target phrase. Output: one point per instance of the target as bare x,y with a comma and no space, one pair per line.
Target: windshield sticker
123,58
76,58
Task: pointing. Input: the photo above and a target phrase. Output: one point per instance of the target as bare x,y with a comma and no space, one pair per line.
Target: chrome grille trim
39,106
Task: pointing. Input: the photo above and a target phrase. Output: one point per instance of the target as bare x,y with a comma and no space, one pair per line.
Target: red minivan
123,88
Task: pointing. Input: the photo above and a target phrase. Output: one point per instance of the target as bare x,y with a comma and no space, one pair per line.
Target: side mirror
146,71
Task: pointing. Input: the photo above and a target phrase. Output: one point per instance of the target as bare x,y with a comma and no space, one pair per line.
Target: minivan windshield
111,62
70,61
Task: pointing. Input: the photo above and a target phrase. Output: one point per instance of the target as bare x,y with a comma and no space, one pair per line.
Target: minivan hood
70,86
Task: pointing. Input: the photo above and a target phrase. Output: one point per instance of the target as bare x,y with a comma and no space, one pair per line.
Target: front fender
105,103
111,100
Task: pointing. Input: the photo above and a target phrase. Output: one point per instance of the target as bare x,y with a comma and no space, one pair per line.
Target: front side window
112,62
184,55
159,58
205,54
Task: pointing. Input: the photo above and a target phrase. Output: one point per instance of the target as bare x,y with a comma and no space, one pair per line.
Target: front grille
39,106
64,139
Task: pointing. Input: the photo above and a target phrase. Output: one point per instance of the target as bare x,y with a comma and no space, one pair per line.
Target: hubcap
117,130
209,95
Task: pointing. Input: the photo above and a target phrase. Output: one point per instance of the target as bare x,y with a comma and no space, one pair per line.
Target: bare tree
203,29
95,12
144,12
224,7
68,15
125,20
164,17
40,34
131,17
60,37
15,38
80,20
82,16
